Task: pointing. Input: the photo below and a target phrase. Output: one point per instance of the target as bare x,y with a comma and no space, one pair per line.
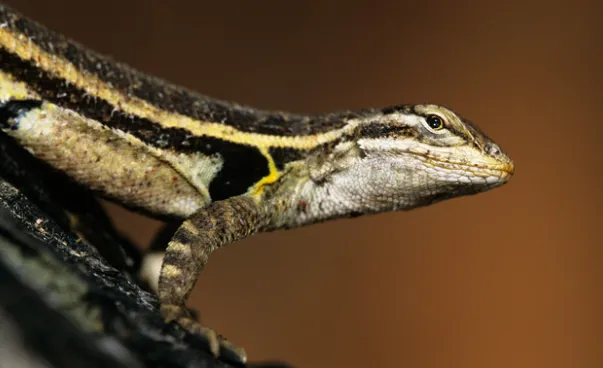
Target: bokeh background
509,278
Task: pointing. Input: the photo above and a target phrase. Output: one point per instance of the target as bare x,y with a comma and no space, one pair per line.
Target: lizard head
428,152
398,158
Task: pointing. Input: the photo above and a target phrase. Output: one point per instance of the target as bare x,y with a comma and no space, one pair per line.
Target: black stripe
12,110
243,165
282,156
386,130
170,97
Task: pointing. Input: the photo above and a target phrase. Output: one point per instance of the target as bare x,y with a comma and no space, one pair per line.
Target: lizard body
225,170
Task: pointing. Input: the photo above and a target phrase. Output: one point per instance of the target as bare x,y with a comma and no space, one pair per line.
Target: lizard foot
219,347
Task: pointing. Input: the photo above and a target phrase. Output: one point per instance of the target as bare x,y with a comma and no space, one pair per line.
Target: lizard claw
211,336
232,353
219,347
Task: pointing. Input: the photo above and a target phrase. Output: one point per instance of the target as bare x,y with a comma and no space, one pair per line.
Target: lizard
222,170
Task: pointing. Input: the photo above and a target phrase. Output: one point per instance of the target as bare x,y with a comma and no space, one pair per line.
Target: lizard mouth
502,168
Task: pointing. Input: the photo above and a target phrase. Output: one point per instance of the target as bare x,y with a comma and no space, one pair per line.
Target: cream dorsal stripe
27,50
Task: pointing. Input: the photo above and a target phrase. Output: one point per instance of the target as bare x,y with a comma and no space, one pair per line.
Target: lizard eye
435,122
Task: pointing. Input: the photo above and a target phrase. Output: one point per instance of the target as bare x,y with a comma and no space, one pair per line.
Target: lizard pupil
435,122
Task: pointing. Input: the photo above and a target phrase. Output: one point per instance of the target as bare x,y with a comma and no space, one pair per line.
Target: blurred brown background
510,278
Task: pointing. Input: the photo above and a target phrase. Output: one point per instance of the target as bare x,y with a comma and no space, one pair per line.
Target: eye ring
435,122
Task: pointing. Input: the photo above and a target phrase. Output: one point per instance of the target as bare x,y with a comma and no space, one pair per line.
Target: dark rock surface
63,305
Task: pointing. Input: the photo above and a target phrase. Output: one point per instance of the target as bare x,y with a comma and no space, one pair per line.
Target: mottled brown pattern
219,224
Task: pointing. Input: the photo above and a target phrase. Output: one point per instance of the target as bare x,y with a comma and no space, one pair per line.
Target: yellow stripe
26,49
272,176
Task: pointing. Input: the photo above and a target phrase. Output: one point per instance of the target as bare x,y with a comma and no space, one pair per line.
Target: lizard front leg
219,224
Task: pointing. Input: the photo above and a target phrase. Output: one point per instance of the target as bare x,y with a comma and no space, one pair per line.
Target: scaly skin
226,170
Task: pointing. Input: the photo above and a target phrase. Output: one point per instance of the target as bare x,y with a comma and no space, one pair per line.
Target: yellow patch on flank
272,176
26,49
